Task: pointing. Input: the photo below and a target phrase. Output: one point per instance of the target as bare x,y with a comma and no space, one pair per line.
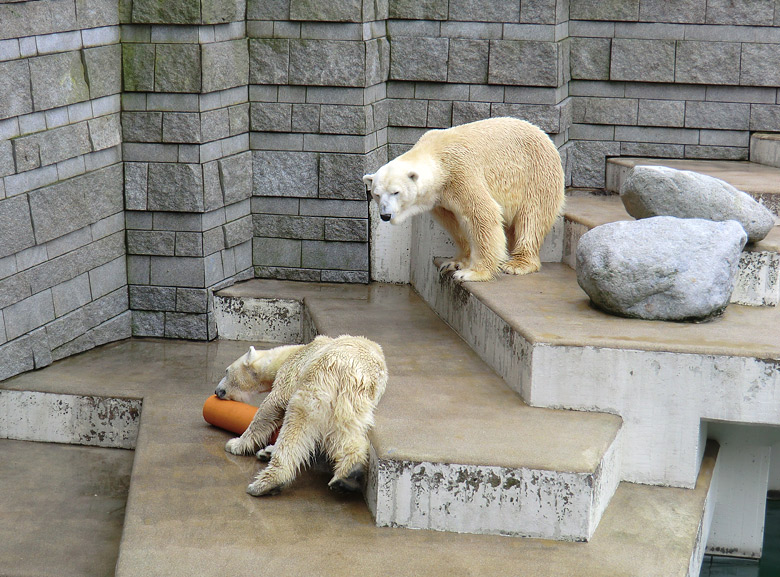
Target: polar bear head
401,189
252,373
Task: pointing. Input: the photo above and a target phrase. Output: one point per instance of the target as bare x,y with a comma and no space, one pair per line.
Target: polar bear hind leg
297,440
525,242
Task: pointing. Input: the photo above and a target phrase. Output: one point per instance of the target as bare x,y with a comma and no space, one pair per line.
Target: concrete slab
451,469
63,507
188,514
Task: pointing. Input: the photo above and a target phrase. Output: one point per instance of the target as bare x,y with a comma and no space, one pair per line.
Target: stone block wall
686,79
63,280
187,179
318,122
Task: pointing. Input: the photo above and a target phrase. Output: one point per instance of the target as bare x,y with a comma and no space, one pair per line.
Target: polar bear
495,185
323,395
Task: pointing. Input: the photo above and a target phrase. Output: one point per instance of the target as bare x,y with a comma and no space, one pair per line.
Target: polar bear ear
250,356
413,176
368,180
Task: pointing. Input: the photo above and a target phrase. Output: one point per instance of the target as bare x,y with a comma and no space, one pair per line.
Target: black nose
385,217
220,393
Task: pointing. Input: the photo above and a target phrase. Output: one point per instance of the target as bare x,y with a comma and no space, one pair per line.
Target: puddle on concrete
62,508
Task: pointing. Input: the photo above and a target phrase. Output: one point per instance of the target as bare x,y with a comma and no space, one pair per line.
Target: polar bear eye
396,192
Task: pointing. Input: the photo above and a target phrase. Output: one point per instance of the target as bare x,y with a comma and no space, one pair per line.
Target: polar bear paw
521,266
265,454
237,447
261,488
472,275
450,266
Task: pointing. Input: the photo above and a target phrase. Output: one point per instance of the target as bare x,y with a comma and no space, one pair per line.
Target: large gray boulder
661,268
660,191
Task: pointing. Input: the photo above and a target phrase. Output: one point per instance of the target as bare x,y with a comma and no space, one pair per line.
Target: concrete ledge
478,460
73,419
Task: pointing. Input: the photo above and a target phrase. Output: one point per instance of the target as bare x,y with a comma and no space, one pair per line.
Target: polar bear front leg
450,223
264,423
482,219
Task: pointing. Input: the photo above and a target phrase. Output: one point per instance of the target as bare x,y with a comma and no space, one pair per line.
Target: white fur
323,395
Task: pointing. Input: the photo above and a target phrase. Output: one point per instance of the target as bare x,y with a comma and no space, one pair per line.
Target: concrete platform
760,181
450,438
188,514
63,508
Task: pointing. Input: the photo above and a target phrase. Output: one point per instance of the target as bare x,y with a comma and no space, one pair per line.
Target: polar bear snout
385,216
221,390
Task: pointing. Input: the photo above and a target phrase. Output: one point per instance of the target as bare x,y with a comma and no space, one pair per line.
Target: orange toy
232,416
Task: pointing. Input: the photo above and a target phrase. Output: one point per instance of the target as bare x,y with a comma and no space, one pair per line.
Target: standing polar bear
323,395
496,185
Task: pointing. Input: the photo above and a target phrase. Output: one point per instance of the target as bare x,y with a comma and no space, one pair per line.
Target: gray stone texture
342,11
156,12
175,187
271,116
177,68
748,12
707,62
659,191
225,65
717,115
760,65
642,60
346,229
468,61
682,11
484,11
138,62
419,9
269,60
620,10
590,58
521,62
72,204
284,173
15,97
661,268
16,231
104,70
327,63
236,177
340,119
334,255
57,80
422,59
181,127
276,252
340,176
142,126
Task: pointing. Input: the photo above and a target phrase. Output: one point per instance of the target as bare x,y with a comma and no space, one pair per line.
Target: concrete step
760,181
758,279
453,448
765,148
667,381
187,512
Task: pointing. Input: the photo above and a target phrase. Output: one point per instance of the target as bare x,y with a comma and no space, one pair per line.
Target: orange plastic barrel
232,416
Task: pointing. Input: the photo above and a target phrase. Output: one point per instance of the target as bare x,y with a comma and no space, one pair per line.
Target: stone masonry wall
63,281
687,79
187,180
152,152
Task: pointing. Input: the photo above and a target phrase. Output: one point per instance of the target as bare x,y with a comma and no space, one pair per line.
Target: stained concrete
61,508
188,513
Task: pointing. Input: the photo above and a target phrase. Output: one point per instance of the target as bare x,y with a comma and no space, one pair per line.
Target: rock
661,268
661,191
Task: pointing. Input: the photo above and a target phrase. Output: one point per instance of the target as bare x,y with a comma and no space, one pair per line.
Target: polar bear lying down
495,185
323,395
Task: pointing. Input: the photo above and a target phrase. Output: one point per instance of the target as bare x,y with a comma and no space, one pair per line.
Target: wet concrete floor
61,508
